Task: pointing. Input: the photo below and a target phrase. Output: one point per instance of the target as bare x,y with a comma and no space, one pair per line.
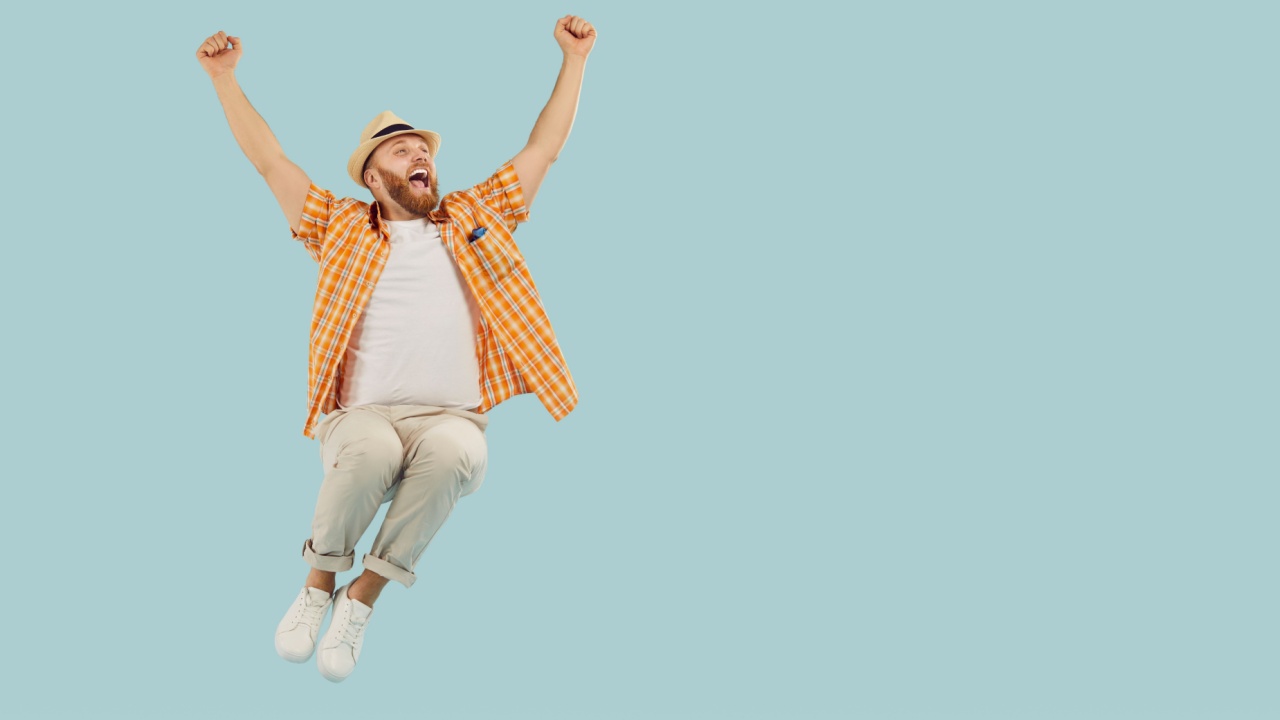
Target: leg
367,587
325,580
363,458
445,461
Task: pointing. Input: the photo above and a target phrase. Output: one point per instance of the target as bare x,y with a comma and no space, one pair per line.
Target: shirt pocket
495,251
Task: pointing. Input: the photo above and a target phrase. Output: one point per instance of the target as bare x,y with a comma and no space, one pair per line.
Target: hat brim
355,166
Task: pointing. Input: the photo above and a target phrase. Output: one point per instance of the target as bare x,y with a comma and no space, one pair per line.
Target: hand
575,35
216,54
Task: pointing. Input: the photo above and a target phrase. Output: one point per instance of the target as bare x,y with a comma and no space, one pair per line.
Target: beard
416,201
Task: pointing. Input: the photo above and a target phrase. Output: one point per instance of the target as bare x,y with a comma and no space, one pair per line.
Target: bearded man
425,318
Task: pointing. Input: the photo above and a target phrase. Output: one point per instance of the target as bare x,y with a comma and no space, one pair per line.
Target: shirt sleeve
316,212
502,193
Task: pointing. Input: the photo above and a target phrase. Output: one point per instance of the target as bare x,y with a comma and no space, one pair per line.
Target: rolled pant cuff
328,563
389,571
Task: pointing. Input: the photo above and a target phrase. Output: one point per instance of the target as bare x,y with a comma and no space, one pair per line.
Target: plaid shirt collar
439,216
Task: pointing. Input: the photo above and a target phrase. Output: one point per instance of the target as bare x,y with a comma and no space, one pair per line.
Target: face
401,170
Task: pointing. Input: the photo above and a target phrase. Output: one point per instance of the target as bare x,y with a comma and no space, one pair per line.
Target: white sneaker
296,633
340,647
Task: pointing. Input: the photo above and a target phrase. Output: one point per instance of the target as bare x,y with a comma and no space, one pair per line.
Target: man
425,318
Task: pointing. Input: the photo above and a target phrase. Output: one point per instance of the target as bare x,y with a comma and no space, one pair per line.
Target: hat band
390,129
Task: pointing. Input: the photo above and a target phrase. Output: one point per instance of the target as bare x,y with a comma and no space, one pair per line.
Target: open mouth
419,179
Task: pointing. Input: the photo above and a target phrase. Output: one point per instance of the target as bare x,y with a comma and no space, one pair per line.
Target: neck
388,210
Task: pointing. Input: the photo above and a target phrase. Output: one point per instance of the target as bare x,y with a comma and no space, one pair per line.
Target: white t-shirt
415,343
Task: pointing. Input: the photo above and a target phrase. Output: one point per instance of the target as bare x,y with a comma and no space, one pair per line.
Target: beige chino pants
420,458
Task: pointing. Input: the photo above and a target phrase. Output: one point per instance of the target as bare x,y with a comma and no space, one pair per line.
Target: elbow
542,152
263,167
269,165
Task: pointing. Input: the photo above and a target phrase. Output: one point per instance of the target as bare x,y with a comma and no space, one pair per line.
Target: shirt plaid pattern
516,346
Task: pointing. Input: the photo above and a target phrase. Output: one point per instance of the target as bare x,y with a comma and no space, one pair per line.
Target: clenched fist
575,35
217,54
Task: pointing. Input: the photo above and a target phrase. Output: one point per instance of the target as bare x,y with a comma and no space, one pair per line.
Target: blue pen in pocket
476,234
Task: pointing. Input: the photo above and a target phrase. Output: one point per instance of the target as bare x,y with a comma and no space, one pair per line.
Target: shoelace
351,630
312,613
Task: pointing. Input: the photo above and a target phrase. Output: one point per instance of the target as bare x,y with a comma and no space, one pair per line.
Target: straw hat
386,125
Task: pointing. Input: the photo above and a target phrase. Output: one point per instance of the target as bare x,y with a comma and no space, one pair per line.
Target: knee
459,449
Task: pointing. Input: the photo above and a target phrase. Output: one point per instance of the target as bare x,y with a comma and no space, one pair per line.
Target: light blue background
927,356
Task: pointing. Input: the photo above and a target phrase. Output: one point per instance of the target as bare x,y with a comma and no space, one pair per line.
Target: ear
370,177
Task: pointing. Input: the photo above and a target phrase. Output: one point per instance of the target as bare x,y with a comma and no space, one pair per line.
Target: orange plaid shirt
516,346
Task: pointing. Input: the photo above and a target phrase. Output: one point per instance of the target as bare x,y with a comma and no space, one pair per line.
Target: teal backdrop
926,351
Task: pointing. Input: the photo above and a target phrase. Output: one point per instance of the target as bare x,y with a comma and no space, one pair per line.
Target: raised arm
575,37
218,56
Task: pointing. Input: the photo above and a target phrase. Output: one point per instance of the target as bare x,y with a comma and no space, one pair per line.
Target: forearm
551,131
248,127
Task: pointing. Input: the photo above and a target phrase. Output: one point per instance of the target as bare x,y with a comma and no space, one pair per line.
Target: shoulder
502,183
332,201
350,209
348,204
456,204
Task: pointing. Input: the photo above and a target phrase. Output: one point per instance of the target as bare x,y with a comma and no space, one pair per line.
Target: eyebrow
401,142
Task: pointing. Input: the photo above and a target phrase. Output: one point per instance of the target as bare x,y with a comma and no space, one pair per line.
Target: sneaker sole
293,658
324,671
